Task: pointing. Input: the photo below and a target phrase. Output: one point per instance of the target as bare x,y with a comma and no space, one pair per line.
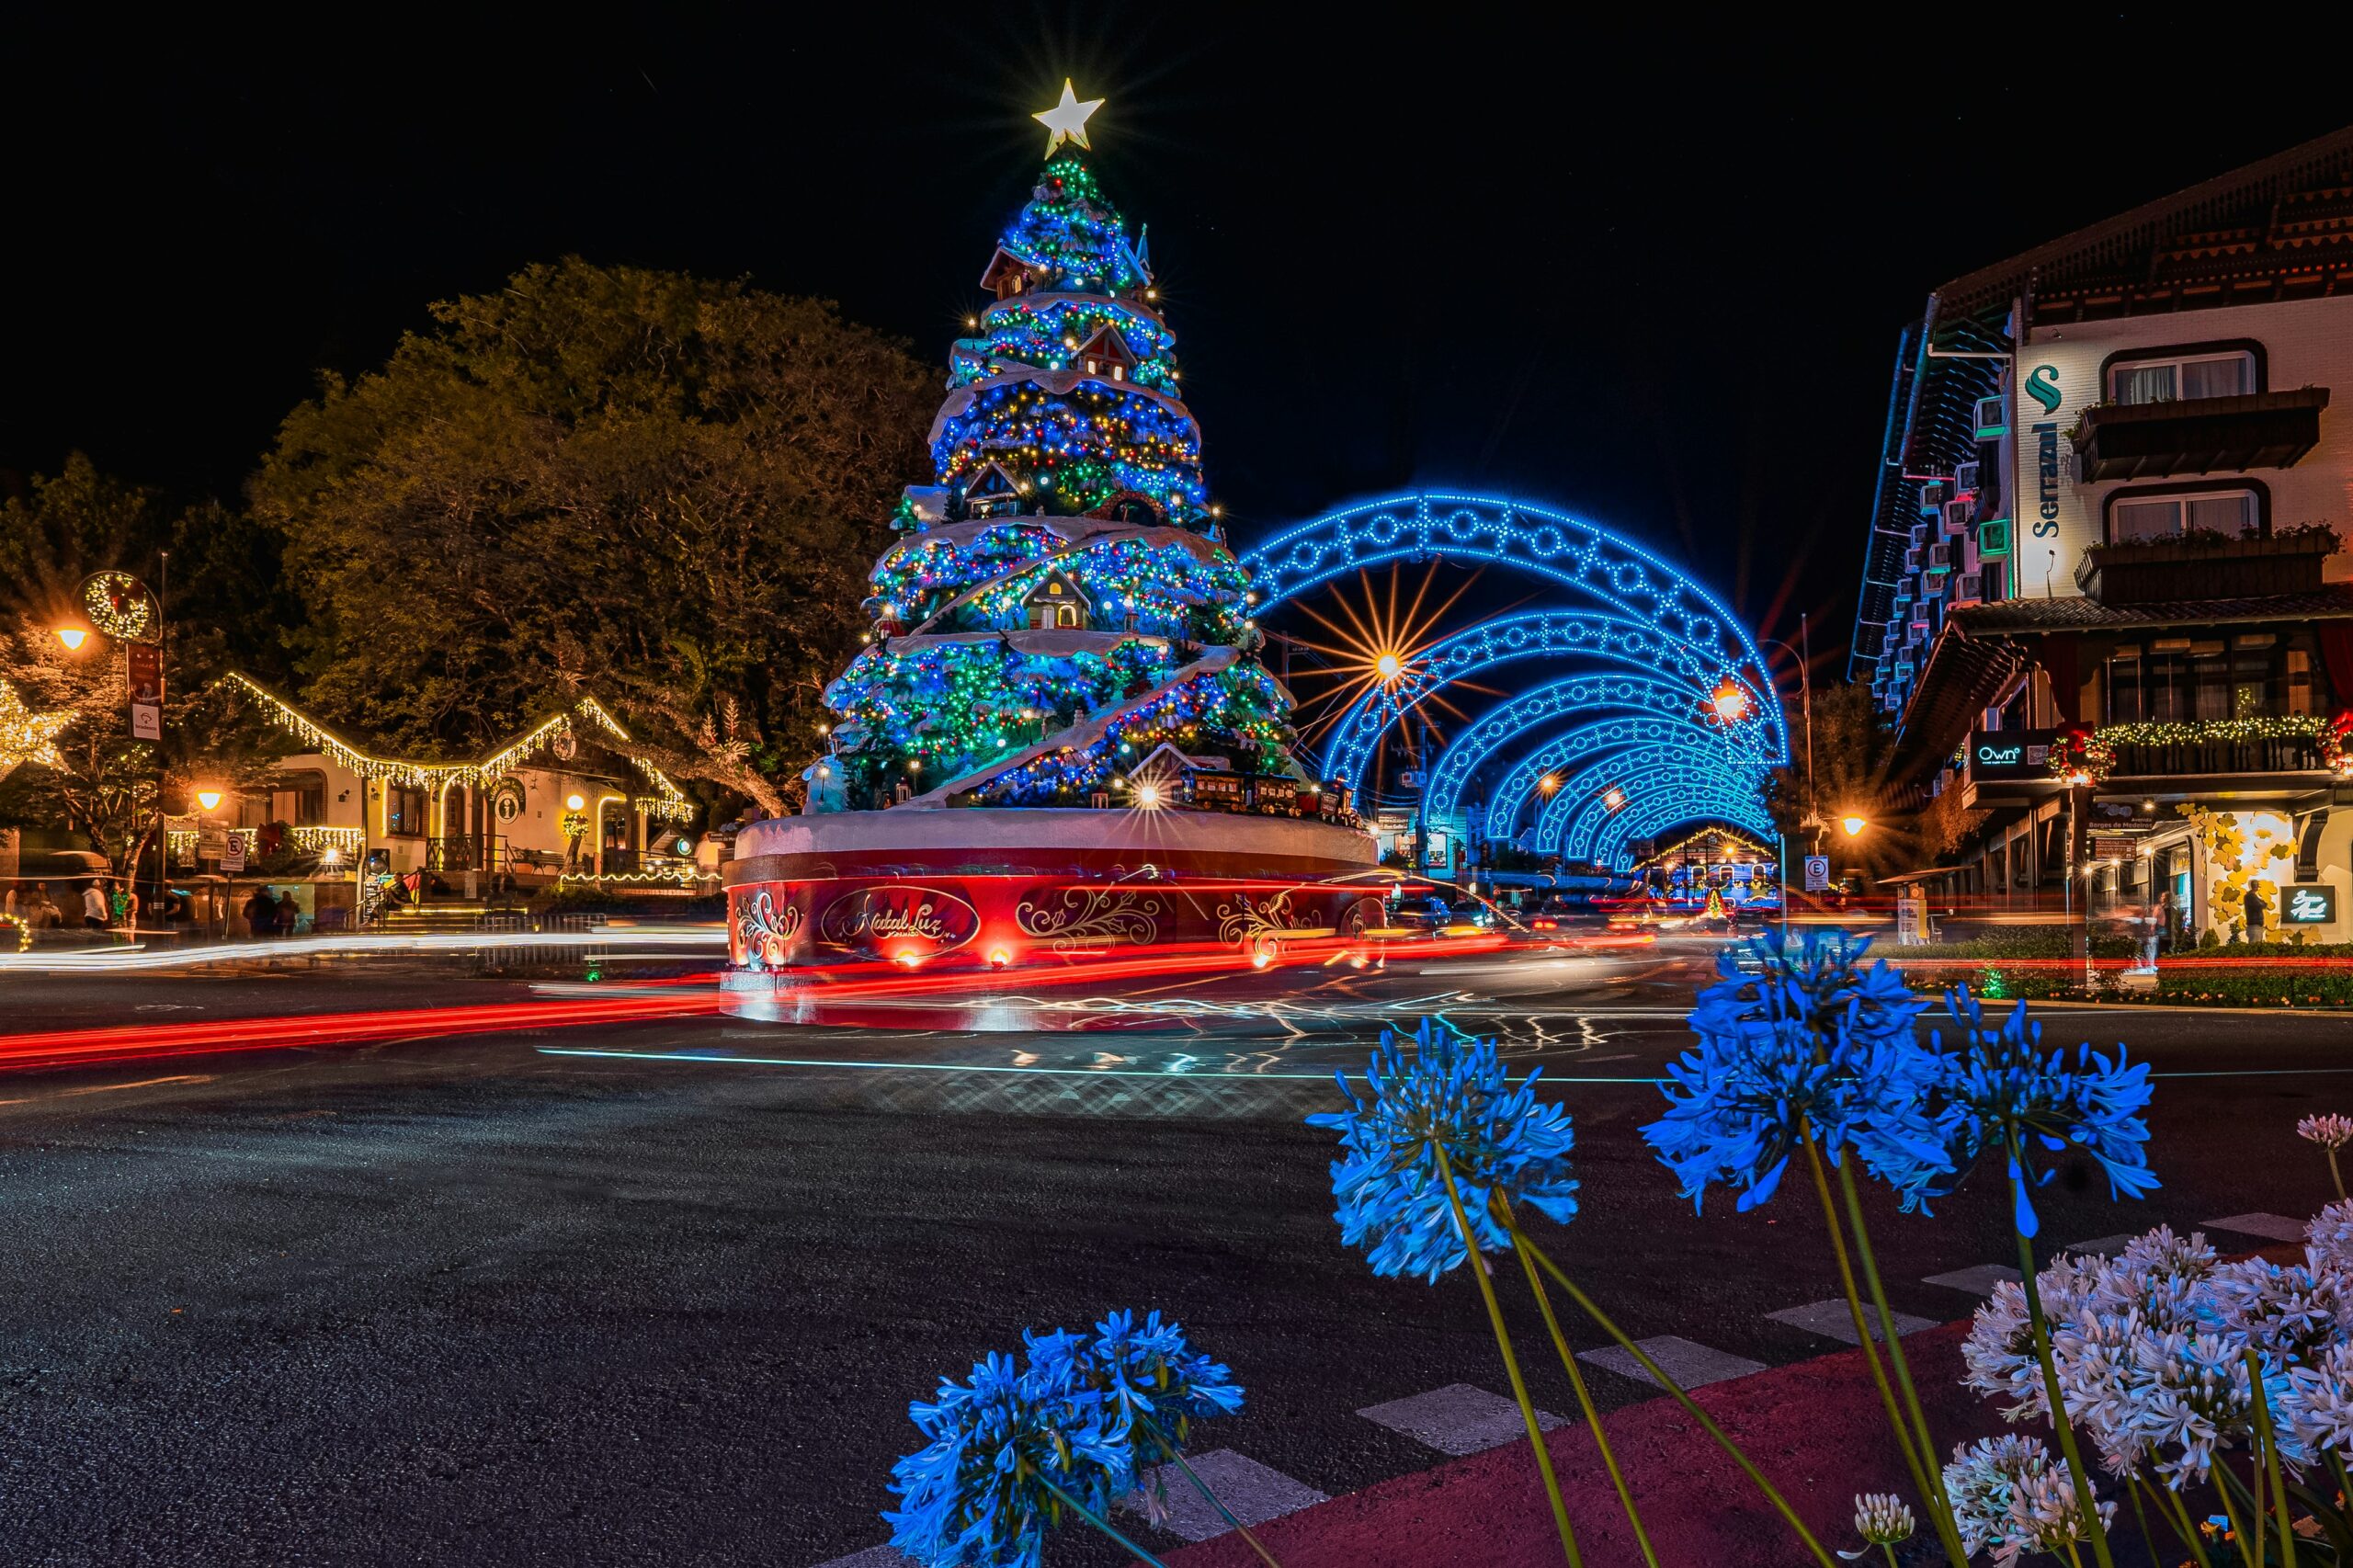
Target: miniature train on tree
1060,732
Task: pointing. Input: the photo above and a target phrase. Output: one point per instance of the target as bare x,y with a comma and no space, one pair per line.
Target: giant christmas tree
1062,603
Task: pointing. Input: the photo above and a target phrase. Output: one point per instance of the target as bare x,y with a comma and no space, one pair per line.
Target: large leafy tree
1852,749
227,607
653,489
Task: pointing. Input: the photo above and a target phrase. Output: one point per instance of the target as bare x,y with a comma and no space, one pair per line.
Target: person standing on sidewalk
94,906
261,914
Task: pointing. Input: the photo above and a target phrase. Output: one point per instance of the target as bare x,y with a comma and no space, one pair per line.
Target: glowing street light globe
575,803
73,637
1730,703
208,799
1389,667
1852,826
1148,797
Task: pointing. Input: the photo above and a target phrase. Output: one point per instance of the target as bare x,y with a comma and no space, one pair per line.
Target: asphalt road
661,1292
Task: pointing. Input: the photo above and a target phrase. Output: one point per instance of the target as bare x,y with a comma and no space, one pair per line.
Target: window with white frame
2178,378
2229,512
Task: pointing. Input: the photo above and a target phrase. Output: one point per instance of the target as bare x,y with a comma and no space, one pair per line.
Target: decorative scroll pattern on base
764,932
1246,921
1089,915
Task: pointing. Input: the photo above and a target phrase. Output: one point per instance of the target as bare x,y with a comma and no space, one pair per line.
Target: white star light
1066,118
25,735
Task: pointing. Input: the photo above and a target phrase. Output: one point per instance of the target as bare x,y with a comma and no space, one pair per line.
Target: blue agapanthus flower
1155,1384
976,1494
1451,1093
1999,1090
1812,1043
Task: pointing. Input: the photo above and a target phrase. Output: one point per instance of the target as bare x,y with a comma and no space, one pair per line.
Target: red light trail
863,983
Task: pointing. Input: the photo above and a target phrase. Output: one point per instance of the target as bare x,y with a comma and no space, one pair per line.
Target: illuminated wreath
2080,757
2337,746
119,605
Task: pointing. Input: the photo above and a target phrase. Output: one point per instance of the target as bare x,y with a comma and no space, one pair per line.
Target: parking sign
1817,873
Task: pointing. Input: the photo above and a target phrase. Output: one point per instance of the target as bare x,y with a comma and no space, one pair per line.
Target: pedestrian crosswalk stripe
1834,1320
1690,1364
1456,1419
1251,1492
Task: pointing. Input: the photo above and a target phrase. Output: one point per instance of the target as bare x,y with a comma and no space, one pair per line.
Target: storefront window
403,812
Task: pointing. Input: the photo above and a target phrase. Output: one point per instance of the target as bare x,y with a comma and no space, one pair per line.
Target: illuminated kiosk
1059,739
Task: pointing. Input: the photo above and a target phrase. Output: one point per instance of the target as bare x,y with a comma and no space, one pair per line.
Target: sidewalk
1816,1429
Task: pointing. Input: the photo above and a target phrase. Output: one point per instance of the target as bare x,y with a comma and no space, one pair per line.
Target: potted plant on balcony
2207,563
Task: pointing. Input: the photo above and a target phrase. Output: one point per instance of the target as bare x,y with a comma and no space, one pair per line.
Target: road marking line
1834,1320
1456,1419
2278,1227
1252,1491
1978,1279
1690,1364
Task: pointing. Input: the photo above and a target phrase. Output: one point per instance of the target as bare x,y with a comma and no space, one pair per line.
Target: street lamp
210,799
73,637
1852,826
1730,703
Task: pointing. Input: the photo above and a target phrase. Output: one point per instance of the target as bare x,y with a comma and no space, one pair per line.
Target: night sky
1655,280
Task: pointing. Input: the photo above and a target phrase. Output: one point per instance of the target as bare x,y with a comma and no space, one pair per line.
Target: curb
1489,1508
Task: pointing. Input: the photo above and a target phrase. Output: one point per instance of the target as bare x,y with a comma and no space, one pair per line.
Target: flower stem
1938,1504
1891,1553
1576,1380
2271,1459
2060,1424
2222,1479
2183,1525
1658,1375
1203,1488
1083,1512
1926,1479
2336,1174
1511,1363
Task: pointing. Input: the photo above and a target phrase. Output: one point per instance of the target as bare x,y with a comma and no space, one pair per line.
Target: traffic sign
233,857
1817,873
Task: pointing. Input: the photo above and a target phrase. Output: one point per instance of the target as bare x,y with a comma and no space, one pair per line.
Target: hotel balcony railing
2286,753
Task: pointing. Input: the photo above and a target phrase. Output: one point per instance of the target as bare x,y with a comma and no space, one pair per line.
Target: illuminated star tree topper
1067,119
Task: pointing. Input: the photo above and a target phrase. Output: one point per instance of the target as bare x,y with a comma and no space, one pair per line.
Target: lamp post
1805,699
116,600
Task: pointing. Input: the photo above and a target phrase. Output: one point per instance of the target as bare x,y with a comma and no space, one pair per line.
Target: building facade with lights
2107,594
570,796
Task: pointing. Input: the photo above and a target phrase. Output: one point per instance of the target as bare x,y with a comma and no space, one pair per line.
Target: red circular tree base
984,887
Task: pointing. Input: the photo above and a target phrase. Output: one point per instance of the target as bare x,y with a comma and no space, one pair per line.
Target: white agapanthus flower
2010,1497
1882,1519
2330,1235
2316,1408
2149,1345
2292,1312
2329,1132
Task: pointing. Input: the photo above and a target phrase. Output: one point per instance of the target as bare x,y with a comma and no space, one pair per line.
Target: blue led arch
1656,779
1686,676
1611,845
1627,710
1516,791
1643,614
